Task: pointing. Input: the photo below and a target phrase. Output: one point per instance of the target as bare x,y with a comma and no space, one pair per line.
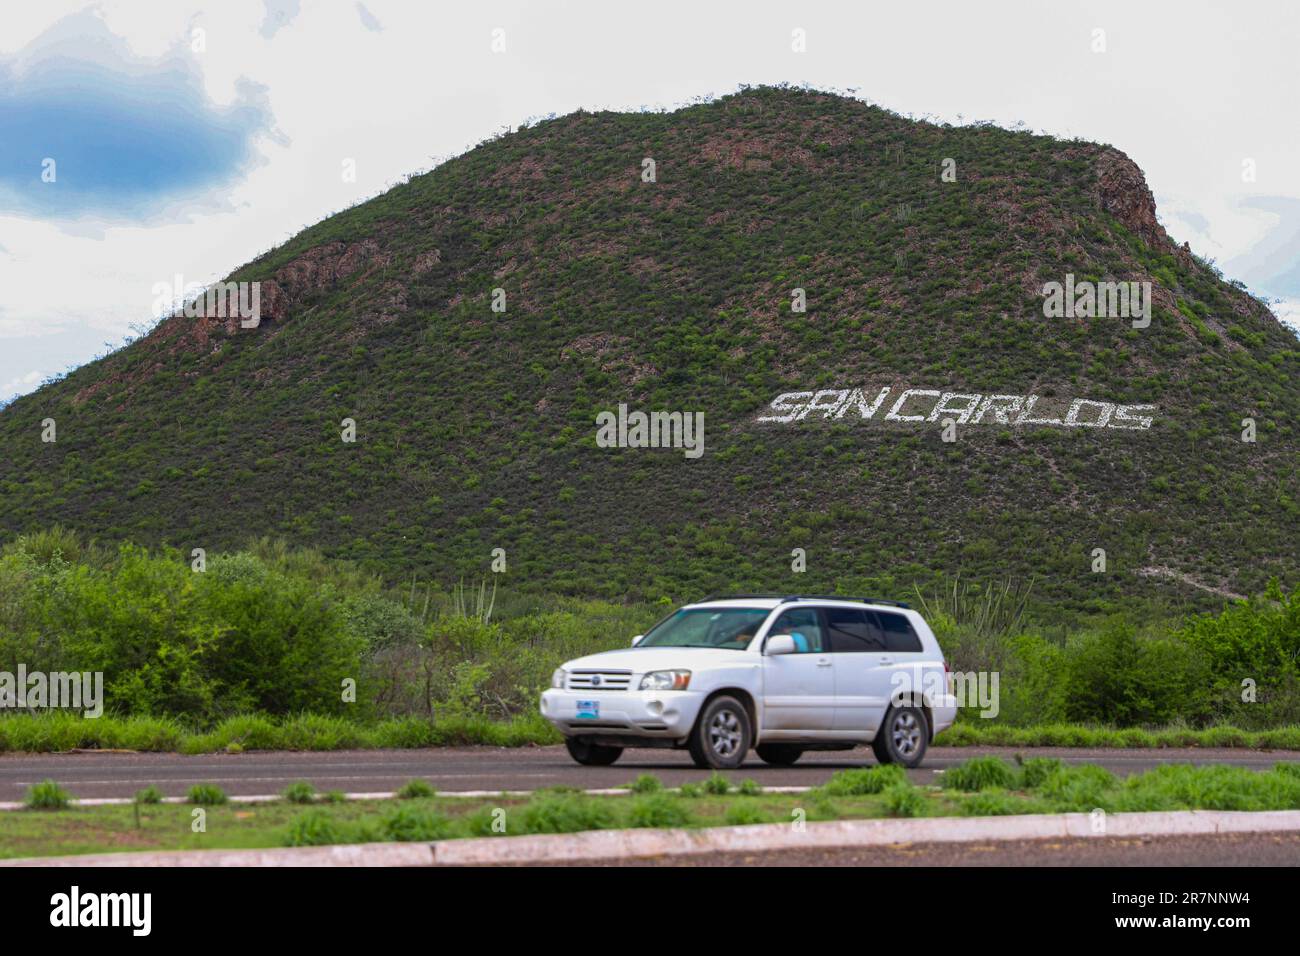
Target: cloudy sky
142,140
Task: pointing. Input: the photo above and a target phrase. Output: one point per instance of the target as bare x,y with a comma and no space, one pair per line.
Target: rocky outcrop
426,261
1123,192
326,265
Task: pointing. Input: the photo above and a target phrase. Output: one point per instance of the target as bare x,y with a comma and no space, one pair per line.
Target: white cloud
21,385
1288,311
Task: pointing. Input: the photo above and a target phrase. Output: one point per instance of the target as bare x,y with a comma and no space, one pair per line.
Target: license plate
588,710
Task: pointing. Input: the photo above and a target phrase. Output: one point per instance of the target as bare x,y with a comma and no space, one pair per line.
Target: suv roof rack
806,597
847,597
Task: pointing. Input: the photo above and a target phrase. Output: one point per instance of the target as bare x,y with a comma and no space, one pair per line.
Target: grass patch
566,813
744,814
992,803
1209,788
658,810
858,781
646,783
411,823
1035,770
1080,789
416,790
1039,787
207,795
60,731
315,828
905,800
300,791
717,784
47,795
149,795
980,773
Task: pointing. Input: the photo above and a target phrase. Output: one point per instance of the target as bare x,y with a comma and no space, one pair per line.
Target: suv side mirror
637,640
779,644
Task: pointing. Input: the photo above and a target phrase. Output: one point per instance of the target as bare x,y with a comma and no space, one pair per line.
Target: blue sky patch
126,134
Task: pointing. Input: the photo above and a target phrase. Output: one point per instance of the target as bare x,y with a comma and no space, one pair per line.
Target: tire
779,755
722,735
591,755
903,737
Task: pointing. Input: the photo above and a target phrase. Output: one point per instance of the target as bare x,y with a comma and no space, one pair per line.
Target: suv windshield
729,627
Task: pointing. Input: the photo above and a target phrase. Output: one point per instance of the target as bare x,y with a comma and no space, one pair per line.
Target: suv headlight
666,680
557,679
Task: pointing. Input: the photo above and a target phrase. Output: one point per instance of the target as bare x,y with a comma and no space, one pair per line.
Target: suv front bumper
636,713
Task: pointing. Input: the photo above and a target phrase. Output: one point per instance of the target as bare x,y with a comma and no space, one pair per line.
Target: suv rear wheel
722,735
903,737
591,755
779,755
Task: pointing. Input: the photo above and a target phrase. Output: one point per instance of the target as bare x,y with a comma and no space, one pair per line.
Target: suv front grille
599,680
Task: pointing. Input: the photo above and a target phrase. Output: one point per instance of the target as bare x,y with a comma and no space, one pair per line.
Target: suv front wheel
722,735
591,755
903,737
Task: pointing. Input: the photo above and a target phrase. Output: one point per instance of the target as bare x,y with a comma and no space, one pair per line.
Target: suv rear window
852,631
899,633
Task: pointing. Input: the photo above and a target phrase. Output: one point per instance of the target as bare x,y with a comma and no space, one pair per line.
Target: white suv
781,674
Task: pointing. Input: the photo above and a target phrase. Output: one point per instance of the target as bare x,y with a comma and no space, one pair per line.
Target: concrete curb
358,854
607,844
612,844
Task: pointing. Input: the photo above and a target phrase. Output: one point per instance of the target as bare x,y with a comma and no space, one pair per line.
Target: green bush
300,791
47,795
717,784
149,794
1116,676
416,790
646,783
1257,638
251,655
207,794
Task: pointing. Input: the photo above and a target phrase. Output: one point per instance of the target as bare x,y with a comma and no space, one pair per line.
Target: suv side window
805,627
852,631
899,633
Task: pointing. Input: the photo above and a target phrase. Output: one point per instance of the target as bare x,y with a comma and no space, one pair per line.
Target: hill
476,429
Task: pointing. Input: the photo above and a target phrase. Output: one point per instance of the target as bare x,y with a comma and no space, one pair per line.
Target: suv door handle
886,660
823,662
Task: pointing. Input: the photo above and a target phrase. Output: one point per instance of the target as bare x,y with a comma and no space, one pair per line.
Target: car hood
642,659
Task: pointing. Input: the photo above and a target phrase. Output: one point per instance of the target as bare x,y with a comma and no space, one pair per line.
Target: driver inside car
741,638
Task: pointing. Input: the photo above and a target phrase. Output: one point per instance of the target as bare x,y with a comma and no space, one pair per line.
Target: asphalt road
101,774
1227,849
